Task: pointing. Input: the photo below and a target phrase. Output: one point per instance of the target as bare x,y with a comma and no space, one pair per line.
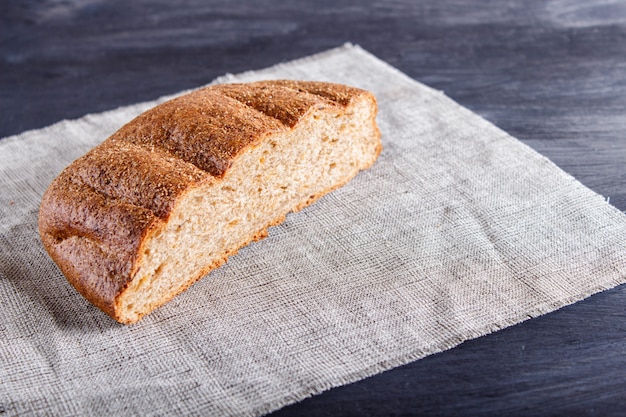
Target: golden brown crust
95,216
92,237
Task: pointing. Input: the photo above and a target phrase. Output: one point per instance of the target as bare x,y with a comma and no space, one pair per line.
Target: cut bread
179,189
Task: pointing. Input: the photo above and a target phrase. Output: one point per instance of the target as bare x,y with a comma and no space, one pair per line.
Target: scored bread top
96,214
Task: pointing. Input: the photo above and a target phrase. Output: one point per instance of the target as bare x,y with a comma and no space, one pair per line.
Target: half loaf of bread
173,193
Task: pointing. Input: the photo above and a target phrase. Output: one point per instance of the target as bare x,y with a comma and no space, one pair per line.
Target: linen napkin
457,231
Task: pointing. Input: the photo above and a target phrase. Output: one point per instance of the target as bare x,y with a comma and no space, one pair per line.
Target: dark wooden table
552,73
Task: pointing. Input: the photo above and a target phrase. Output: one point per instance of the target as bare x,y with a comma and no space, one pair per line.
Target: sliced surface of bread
185,185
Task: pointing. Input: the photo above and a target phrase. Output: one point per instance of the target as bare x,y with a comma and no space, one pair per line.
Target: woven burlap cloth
457,231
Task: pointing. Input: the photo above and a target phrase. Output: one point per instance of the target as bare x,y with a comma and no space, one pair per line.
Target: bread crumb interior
284,173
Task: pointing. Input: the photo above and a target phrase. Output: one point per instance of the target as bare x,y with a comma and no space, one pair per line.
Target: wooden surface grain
552,73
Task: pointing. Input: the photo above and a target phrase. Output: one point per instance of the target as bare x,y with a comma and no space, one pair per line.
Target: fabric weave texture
457,231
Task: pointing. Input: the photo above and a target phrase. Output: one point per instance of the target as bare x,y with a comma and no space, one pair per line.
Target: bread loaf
179,189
